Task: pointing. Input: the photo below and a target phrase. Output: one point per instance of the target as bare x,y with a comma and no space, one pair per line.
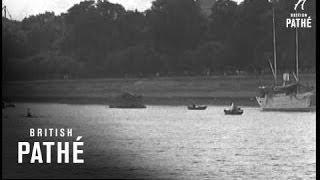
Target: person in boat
234,107
29,113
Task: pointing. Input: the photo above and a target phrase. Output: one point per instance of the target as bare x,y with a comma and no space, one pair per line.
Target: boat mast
274,46
297,57
297,53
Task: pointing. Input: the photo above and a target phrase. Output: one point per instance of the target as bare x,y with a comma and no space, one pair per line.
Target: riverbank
173,101
211,90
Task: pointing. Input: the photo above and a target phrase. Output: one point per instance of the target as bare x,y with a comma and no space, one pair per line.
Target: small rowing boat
233,112
194,107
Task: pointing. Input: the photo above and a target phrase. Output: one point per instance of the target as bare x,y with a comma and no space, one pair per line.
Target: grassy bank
164,90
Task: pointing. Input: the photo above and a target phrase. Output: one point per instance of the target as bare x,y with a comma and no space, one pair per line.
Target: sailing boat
286,97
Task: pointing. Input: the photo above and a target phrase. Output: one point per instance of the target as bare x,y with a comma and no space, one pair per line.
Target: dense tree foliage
101,39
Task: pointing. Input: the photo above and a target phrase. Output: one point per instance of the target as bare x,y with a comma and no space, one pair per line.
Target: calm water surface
171,142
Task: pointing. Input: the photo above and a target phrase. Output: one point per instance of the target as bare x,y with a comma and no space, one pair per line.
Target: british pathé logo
300,2
297,19
33,150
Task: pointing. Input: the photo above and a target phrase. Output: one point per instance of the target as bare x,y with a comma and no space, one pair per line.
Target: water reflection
170,142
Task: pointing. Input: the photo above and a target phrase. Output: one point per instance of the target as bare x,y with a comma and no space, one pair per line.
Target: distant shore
174,101
209,90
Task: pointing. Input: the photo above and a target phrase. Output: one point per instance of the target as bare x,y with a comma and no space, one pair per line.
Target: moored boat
194,107
7,104
288,96
128,101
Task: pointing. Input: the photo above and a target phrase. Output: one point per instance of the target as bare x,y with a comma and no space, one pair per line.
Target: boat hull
230,112
283,102
197,108
7,105
308,109
128,106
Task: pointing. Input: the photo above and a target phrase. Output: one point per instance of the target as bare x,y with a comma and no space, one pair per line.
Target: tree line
97,39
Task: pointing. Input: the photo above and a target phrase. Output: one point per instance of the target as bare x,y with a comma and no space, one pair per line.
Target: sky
20,9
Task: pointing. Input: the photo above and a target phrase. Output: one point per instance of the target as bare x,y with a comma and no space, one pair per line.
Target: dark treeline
96,39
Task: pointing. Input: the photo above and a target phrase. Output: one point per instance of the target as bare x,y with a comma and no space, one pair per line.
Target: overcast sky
22,8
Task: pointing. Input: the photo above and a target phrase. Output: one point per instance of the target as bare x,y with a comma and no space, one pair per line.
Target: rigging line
9,15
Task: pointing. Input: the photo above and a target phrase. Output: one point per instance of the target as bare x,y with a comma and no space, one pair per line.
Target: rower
233,107
29,113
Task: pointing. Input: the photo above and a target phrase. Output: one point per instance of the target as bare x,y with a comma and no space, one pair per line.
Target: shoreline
173,101
202,90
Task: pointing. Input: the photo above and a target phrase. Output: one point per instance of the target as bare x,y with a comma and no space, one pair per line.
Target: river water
168,142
